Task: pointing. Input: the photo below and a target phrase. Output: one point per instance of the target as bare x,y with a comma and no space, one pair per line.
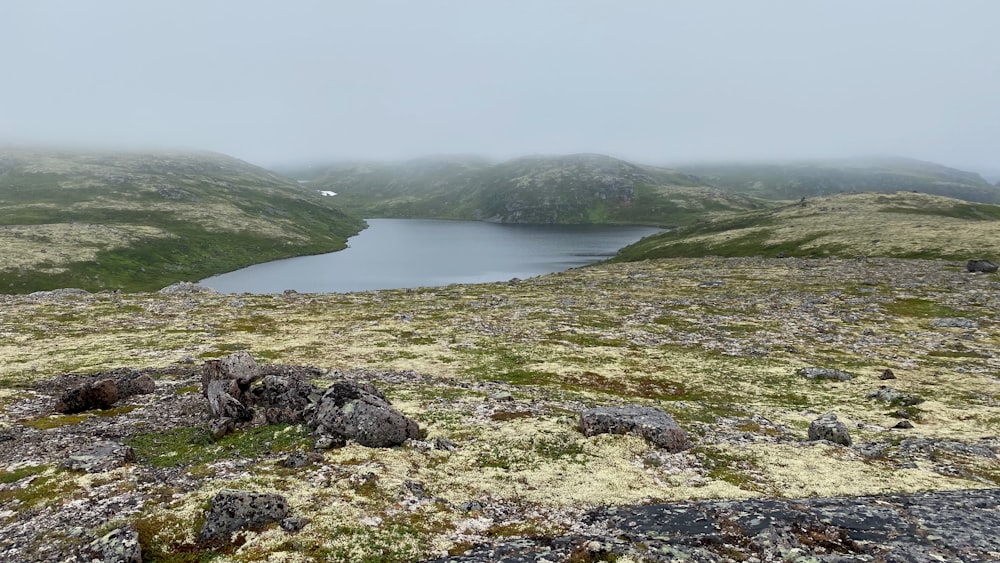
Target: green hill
581,189
143,221
793,180
900,224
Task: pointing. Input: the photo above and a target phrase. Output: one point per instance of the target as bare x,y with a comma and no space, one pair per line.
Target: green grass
184,447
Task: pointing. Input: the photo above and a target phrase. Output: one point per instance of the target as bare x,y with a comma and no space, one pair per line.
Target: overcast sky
656,81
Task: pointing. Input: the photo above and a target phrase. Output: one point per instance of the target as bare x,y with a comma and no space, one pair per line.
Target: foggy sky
655,81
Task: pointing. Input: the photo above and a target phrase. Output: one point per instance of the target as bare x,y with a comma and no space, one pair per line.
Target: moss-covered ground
715,342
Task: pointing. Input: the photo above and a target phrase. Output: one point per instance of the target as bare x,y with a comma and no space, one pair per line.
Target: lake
406,253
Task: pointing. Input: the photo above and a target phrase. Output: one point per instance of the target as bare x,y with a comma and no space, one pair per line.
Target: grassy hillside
143,221
580,189
900,224
793,180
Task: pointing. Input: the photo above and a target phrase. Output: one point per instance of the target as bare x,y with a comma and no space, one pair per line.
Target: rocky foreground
842,409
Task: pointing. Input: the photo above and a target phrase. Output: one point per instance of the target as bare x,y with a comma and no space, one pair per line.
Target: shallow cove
402,253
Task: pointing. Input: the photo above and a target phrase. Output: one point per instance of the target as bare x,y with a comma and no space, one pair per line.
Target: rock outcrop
233,510
120,545
650,423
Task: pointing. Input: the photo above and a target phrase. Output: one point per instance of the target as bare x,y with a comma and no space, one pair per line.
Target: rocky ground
501,372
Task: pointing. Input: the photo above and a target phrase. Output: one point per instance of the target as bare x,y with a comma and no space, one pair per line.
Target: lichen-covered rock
651,423
978,265
827,427
894,397
118,546
284,399
233,510
955,322
824,373
185,287
100,457
359,412
94,395
239,367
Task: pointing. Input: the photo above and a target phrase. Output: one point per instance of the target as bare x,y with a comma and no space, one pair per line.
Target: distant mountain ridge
579,188
808,178
142,221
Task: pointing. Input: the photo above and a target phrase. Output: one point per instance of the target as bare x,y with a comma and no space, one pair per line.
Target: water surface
401,253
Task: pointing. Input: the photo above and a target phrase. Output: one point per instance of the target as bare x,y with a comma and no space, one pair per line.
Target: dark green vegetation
900,224
140,222
793,180
575,189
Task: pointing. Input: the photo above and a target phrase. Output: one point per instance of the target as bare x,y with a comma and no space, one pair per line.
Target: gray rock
359,412
100,457
824,373
979,265
186,288
233,510
903,424
894,397
222,403
827,427
955,322
118,546
134,384
296,460
94,395
650,423
239,367
444,444
887,374
284,399
293,524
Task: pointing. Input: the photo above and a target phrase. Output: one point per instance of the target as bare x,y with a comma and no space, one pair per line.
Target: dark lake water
400,253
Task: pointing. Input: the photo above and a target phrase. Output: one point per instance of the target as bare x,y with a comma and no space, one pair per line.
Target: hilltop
143,221
573,189
810,178
898,224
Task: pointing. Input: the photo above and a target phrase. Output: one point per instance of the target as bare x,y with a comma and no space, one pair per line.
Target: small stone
326,442
501,396
894,397
903,424
887,374
293,524
444,444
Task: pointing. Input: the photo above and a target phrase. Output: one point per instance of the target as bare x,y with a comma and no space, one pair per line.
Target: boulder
117,546
651,423
284,399
94,395
239,367
134,384
827,427
359,412
979,265
100,457
233,510
824,373
894,397
222,403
